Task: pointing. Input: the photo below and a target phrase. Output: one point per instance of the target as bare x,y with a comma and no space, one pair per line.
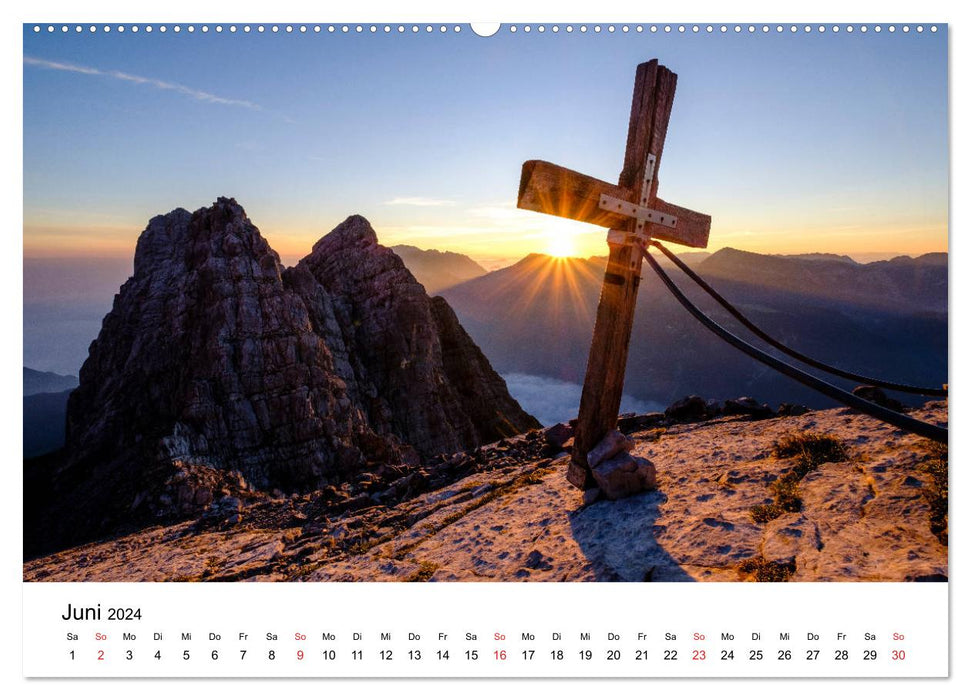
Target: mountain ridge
38,382
438,269
219,366
886,319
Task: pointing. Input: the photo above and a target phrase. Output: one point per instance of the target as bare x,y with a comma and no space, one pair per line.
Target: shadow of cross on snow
619,540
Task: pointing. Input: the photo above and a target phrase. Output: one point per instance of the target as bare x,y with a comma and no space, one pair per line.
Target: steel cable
730,308
898,420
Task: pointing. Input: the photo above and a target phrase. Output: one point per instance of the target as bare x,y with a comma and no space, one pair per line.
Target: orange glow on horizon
503,243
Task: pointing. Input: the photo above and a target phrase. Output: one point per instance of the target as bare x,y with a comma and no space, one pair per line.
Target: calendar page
428,349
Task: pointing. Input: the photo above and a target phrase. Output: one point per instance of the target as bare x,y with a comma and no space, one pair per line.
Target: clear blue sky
793,143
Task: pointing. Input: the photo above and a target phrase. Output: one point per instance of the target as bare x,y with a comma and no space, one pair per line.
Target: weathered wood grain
603,385
552,189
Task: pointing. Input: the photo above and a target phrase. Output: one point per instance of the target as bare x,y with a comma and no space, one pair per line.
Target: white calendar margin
421,10
414,615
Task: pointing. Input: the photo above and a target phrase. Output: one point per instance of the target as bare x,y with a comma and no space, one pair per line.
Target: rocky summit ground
729,506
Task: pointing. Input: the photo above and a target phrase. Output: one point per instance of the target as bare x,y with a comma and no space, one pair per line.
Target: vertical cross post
603,385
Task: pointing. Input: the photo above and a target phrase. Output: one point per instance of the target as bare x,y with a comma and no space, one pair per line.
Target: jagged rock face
408,363
215,355
208,357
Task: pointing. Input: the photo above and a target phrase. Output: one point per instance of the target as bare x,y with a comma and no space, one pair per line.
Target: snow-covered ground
866,518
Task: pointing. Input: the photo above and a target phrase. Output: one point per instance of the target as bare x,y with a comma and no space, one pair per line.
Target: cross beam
553,189
633,212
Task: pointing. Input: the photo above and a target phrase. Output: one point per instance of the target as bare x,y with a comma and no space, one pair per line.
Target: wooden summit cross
634,214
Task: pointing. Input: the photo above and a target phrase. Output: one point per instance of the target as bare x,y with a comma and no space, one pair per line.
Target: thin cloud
199,95
421,202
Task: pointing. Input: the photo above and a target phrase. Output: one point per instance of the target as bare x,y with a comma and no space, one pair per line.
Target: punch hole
485,29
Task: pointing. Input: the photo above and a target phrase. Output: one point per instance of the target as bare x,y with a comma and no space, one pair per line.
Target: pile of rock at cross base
618,473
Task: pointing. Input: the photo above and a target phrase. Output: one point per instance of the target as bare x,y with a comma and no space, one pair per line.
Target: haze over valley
534,320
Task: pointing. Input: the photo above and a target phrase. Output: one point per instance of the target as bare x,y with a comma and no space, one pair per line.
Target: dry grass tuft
425,571
810,450
761,569
935,467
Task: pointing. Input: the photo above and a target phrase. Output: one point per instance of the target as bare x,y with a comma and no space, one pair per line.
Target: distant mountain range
886,319
437,270
36,382
45,410
536,318
903,284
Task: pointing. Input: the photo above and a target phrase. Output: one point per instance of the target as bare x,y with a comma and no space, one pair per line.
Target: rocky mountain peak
216,358
354,232
190,241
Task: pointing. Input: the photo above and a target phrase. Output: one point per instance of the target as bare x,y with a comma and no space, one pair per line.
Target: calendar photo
425,303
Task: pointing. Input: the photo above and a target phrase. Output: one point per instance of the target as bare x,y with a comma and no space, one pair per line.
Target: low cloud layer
554,401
